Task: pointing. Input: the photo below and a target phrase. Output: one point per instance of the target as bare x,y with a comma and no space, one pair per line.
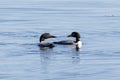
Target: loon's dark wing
66,42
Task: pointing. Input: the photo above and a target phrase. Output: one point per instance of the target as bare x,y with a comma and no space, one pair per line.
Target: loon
77,42
42,40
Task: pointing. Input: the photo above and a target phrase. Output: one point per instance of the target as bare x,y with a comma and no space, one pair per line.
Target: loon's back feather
66,42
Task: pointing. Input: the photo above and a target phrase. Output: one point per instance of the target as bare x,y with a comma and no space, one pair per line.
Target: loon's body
77,42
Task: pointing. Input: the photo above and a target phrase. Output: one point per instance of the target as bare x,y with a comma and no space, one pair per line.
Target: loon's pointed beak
53,36
69,36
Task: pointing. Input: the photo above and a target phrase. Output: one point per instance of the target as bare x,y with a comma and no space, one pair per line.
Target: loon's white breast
79,44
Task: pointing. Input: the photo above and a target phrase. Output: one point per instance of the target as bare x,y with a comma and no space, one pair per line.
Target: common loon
42,40
77,42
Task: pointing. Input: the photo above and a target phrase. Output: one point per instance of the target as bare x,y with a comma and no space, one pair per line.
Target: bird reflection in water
50,55
76,55
45,58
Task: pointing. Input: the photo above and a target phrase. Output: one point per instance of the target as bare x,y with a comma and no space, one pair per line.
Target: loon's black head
46,36
76,35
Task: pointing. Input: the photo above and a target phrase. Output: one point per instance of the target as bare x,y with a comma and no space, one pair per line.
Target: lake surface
23,21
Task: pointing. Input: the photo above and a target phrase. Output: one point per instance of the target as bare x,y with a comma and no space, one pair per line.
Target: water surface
22,22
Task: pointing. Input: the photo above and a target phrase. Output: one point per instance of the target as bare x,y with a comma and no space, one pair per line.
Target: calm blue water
23,21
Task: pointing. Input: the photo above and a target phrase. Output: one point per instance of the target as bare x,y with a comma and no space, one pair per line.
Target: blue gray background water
23,21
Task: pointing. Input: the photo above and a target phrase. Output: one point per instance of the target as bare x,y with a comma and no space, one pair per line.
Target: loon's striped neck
77,39
42,39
